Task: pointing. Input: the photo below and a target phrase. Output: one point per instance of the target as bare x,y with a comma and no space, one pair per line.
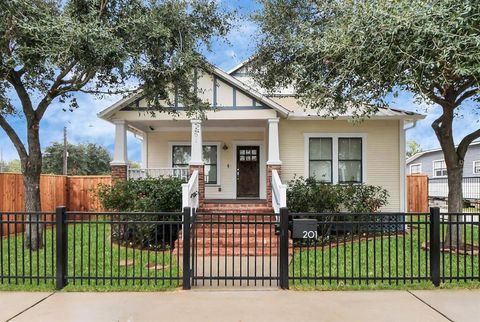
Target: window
335,158
476,167
415,168
181,157
349,160
439,168
320,159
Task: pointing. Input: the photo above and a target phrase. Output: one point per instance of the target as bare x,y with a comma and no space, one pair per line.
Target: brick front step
237,218
246,210
237,251
246,232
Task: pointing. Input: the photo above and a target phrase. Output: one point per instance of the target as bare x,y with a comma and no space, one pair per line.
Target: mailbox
305,228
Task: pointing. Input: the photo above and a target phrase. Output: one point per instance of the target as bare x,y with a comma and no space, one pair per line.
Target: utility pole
65,152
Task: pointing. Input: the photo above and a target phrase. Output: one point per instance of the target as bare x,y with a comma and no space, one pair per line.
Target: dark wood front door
248,171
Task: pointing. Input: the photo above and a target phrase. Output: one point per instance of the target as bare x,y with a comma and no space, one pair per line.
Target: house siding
159,156
426,160
382,151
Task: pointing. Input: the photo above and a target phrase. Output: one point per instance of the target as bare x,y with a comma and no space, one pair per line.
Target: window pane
210,154
349,171
350,149
211,174
320,149
181,155
321,170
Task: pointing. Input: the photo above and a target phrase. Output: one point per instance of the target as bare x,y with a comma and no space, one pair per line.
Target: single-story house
251,143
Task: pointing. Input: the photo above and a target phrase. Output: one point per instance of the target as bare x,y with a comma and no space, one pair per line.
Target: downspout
403,178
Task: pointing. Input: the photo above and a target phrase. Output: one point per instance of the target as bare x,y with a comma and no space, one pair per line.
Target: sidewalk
243,305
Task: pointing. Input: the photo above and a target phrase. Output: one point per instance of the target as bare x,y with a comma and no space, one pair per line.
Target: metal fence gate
234,249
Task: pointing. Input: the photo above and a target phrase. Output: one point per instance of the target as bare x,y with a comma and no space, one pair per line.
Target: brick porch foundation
119,172
270,168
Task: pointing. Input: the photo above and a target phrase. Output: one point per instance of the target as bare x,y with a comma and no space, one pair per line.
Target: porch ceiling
184,125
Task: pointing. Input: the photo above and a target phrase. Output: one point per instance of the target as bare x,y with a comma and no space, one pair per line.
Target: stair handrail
279,192
190,192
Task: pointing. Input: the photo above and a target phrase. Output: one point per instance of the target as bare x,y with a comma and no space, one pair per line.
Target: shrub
144,195
308,195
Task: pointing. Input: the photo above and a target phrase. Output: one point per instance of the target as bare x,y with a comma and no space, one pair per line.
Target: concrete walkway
243,305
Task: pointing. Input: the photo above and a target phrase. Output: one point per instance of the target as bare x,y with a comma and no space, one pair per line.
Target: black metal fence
235,249
384,248
300,249
438,193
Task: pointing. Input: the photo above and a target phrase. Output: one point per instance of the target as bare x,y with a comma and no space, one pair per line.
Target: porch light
225,147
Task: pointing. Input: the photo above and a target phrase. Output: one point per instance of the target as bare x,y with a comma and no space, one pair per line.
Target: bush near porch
308,195
162,194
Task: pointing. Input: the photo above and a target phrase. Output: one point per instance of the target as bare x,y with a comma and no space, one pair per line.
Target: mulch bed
466,249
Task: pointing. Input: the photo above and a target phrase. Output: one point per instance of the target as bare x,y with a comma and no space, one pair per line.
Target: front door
248,171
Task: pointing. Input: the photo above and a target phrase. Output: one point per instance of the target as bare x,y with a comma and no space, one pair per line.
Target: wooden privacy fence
74,192
417,193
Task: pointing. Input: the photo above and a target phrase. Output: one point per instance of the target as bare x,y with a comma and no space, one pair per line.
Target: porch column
120,159
196,160
273,162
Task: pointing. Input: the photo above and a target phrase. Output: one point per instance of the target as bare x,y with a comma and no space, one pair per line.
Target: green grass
103,261
377,258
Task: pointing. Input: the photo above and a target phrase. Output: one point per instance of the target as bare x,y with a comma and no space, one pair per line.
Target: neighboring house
432,164
249,140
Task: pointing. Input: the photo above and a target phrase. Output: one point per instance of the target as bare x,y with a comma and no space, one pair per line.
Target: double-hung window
181,157
439,168
415,168
335,158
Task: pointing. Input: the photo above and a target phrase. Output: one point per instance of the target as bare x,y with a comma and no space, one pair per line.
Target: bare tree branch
22,152
463,146
465,96
14,79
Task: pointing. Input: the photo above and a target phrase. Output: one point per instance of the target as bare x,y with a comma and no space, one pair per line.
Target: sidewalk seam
28,308
430,306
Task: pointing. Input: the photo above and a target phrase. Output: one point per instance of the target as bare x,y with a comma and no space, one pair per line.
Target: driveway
243,305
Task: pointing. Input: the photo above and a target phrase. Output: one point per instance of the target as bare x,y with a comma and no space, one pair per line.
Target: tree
353,54
83,159
53,50
413,148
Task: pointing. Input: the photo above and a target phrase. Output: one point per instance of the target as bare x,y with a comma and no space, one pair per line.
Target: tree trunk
454,232
31,170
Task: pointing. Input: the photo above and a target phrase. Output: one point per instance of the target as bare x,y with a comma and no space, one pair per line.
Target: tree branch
14,78
466,95
52,92
22,152
463,146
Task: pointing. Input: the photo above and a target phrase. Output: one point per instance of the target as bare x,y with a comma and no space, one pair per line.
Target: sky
84,126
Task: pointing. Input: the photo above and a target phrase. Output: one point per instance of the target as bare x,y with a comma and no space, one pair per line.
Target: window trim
434,175
475,162
171,144
414,164
335,137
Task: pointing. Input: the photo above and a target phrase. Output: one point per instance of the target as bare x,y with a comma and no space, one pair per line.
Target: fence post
283,248
435,246
61,247
186,249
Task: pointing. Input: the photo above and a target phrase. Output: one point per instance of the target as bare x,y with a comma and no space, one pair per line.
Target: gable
213,89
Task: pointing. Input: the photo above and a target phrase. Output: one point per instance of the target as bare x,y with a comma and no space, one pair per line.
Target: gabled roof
419,154
106,113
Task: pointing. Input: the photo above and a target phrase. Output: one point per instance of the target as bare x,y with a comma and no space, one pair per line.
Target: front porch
231,161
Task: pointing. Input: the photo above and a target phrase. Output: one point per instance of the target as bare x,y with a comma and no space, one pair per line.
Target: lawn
343,263
95,261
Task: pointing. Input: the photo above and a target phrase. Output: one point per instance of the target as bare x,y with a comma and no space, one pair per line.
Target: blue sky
84,126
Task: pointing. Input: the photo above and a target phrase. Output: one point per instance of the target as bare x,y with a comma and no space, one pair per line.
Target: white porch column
145,150
120,150
273,142
197,143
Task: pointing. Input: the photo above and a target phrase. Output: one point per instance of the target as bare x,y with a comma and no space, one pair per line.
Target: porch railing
279,192
158,172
